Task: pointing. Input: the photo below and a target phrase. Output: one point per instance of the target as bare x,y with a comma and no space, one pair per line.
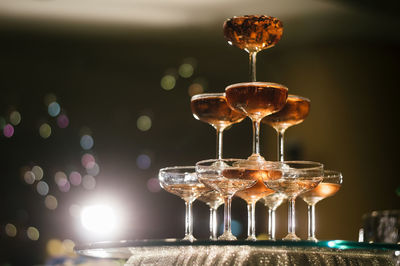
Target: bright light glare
99,219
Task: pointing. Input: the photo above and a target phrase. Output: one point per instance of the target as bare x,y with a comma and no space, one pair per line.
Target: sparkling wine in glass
213,109
291,179
256,100
182,181
272,202
253,33
227,177
213,199
252,195
330,185
294,112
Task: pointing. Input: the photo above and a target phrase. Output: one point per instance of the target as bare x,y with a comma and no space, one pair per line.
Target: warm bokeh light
65,187
87,142
75,178
49,98
38,172
15,118
69,245
60,178
54,109
195,88
89,182
186,70
54,248
45,130
51,202
88,160
11,230
42,188
99,219
32,233
168,82
143,123
29,177
75,210
143,161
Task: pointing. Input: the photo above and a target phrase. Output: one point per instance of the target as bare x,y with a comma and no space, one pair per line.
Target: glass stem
291,216
281,147
219,143
311,222
227,214
271,224
251,221
252,65
213,224
188,220
256,136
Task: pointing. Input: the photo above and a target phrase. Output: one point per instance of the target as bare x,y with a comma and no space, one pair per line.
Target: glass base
251,238
190,238
254,158
227,236
291,237
312,239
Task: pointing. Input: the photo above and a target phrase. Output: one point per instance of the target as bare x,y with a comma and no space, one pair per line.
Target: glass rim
313,165
248,16
299,97
328,173
206,95
216,160
277,85
166,169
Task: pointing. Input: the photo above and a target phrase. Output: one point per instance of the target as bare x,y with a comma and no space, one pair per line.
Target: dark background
107,75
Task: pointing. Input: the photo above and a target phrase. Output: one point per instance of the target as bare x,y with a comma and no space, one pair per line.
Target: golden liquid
214,110
253,33
186,191
228,186
322,191
212,198
256,192
255,99
293,187
294,112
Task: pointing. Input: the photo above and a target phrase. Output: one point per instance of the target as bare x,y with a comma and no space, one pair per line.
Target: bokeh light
45,130
68,245
87,142
143,161
32,233
49,98
54,109
62,121
65,187
153,185
168,82
38,172
15,118
75,210
60,178
75,178
51,202
88,160
186,70
42,188
143,123
29,177
100,219
8,131
89,182
93,171
54,248
195,88
11,230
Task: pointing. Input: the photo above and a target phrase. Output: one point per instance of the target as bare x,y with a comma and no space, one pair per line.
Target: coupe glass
272,202
213,199
294,112
253,33
292,178
328,187
213,109
227,177
256,100
252,195
182,181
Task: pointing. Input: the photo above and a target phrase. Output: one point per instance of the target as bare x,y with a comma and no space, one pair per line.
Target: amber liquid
294,112
322,191
293,187
256,99
212,199
253,33
186,191
214,110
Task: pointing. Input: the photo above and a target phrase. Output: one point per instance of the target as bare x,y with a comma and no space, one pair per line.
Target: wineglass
227,177
256,100
272,202
294,112
213,109
328,187
253,33
213,199
292,178
252,195
182,181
